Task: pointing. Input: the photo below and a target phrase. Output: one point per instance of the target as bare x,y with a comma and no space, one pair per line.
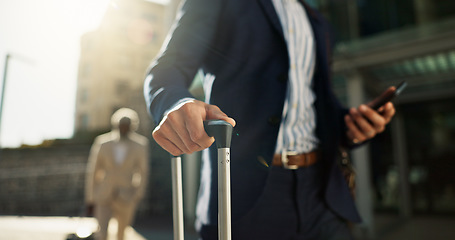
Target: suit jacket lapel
269,9
321,38
309,10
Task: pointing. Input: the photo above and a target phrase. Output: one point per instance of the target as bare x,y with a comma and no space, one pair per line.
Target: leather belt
292,160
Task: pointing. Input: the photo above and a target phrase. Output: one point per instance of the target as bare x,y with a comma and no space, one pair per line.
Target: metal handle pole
224,194
177,197
222,131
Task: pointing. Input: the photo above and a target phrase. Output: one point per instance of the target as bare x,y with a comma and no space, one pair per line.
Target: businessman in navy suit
266,65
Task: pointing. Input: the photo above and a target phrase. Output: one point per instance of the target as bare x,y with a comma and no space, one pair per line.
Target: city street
160,228
58,228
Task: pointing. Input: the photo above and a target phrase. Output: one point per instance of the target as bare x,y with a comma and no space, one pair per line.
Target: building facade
112,68
113,62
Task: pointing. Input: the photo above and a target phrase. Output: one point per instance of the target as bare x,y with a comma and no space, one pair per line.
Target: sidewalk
57,228
160,228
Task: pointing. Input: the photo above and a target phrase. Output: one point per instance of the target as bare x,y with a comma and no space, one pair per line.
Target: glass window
363,18
430,137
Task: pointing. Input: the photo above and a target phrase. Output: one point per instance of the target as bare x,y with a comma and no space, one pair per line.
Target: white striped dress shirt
297,130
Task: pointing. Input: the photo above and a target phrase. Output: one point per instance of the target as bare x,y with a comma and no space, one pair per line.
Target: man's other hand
364,123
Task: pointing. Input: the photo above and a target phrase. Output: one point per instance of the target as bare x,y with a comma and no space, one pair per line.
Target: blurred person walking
117,173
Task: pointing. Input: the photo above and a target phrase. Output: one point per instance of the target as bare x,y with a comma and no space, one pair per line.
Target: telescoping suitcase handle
222,132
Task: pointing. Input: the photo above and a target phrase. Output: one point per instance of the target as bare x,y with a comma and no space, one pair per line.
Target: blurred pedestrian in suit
117,173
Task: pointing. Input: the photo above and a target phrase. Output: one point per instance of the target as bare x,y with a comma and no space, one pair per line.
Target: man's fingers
198,135
213,112
166,144
376,120
363,124
171,131
180,134
355,134
194,125
388,111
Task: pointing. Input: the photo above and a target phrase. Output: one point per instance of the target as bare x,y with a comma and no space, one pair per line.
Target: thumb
214,112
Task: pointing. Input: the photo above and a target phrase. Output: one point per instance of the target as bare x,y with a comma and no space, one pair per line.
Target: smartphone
387,96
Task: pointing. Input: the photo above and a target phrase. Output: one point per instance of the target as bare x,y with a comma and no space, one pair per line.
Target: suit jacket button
274,120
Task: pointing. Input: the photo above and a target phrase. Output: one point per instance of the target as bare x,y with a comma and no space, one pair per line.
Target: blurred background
68,65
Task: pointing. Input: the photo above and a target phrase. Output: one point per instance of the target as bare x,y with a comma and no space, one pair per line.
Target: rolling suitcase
83,230
222,132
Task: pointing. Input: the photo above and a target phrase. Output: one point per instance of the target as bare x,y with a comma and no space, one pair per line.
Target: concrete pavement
160,228
57,228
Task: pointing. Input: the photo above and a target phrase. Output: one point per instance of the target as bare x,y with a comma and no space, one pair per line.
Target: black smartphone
387,96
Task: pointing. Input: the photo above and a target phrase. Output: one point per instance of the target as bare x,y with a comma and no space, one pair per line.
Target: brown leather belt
290,160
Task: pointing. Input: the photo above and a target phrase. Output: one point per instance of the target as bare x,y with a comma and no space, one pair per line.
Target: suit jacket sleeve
171,74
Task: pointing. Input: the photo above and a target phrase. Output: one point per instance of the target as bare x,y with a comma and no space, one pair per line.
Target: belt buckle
285,159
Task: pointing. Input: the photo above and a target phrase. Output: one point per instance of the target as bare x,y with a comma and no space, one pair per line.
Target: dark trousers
291,207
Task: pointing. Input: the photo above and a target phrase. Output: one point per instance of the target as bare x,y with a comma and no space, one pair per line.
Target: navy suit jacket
240,44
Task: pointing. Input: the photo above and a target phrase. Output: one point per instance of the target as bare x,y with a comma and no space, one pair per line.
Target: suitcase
75,236
222,132
83,231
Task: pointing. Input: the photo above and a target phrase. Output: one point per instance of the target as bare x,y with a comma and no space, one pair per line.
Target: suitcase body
74,236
